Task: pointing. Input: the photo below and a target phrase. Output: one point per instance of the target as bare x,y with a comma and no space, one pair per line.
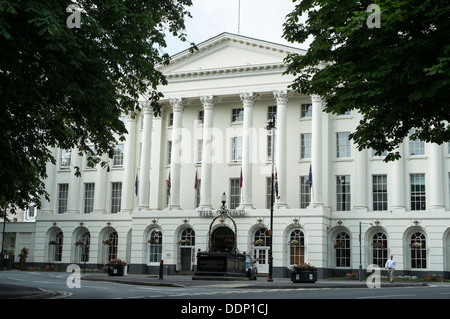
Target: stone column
73,202
129,166
398,180
144,174
205,190
435,179
47,206
175,161
100,188
248,100
316,151
280,145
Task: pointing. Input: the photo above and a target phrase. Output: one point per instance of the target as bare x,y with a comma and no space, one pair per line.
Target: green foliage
397,76
66,88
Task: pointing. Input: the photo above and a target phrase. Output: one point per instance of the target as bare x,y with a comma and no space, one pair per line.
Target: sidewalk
182,281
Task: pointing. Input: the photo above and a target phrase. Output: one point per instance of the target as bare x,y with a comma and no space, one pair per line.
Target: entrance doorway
186,256
222,239
262,259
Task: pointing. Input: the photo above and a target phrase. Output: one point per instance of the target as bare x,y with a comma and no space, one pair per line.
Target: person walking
391,264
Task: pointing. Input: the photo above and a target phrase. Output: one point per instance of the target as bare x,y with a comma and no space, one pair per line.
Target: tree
66,86
396,74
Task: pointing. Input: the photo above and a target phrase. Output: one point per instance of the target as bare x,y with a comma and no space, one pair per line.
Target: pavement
183,281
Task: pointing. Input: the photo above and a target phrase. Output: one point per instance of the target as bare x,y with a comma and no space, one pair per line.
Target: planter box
116,271
304,277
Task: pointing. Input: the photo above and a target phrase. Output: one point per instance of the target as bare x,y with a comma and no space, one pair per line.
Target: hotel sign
231,212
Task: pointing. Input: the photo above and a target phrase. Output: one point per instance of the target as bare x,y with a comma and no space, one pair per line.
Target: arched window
262,237
297,247
112,248
187,237
418,250
58,246
342,246
379,249
155,246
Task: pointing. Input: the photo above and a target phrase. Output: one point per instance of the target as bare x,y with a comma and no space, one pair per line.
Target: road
54,286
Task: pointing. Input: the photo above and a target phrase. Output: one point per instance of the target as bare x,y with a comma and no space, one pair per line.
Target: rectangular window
418,197
416,147
342,145
116,197
170,121
88,201
200,117
379,192
343,193
64,160
306,110
198,192
90,158
236,149
198,157
63,193
305,146
237,115
235,193
305,192
271,112
269,192
118,156
169,152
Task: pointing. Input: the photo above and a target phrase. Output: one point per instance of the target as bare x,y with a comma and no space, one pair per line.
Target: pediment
228,53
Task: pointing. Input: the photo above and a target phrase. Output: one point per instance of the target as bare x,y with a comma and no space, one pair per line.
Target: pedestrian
391,264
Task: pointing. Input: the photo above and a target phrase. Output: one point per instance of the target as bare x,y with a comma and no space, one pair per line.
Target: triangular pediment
228,52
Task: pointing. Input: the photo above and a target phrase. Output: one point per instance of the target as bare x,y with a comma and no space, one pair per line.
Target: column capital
177,104
248,98
208,101
281,96
146,107
315,98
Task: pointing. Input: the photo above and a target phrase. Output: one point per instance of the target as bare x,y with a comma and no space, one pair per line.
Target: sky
259,19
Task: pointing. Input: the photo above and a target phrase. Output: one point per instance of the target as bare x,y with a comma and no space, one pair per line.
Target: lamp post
271,126
360,254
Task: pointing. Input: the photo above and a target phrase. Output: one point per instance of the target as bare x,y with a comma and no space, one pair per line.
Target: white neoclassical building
164,188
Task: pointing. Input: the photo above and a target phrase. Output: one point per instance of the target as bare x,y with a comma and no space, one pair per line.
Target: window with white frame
63,194
305,192
271,112
269,192
187,237
200,117
90,158
379,192
198,192
237,115
236,149
118,156
116,197
269,148
169,152
418,247
418,196
416,146
343,193
64,159
296,247
88,199
58,246
112,246
235,193
84,248
155,246
342,145
342,248
306,110
170,120
199,153
379,249
305,145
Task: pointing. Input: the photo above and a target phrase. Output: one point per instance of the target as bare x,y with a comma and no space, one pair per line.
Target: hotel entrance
222,239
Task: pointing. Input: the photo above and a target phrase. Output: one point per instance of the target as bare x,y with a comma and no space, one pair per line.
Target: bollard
161,269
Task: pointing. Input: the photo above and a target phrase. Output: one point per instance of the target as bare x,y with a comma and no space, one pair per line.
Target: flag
310,177
240,180
196,181
168,186
276,185
136,184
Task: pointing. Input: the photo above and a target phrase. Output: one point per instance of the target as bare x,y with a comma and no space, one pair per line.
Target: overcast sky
260,19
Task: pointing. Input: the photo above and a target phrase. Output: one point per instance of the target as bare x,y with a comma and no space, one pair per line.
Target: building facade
335,207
